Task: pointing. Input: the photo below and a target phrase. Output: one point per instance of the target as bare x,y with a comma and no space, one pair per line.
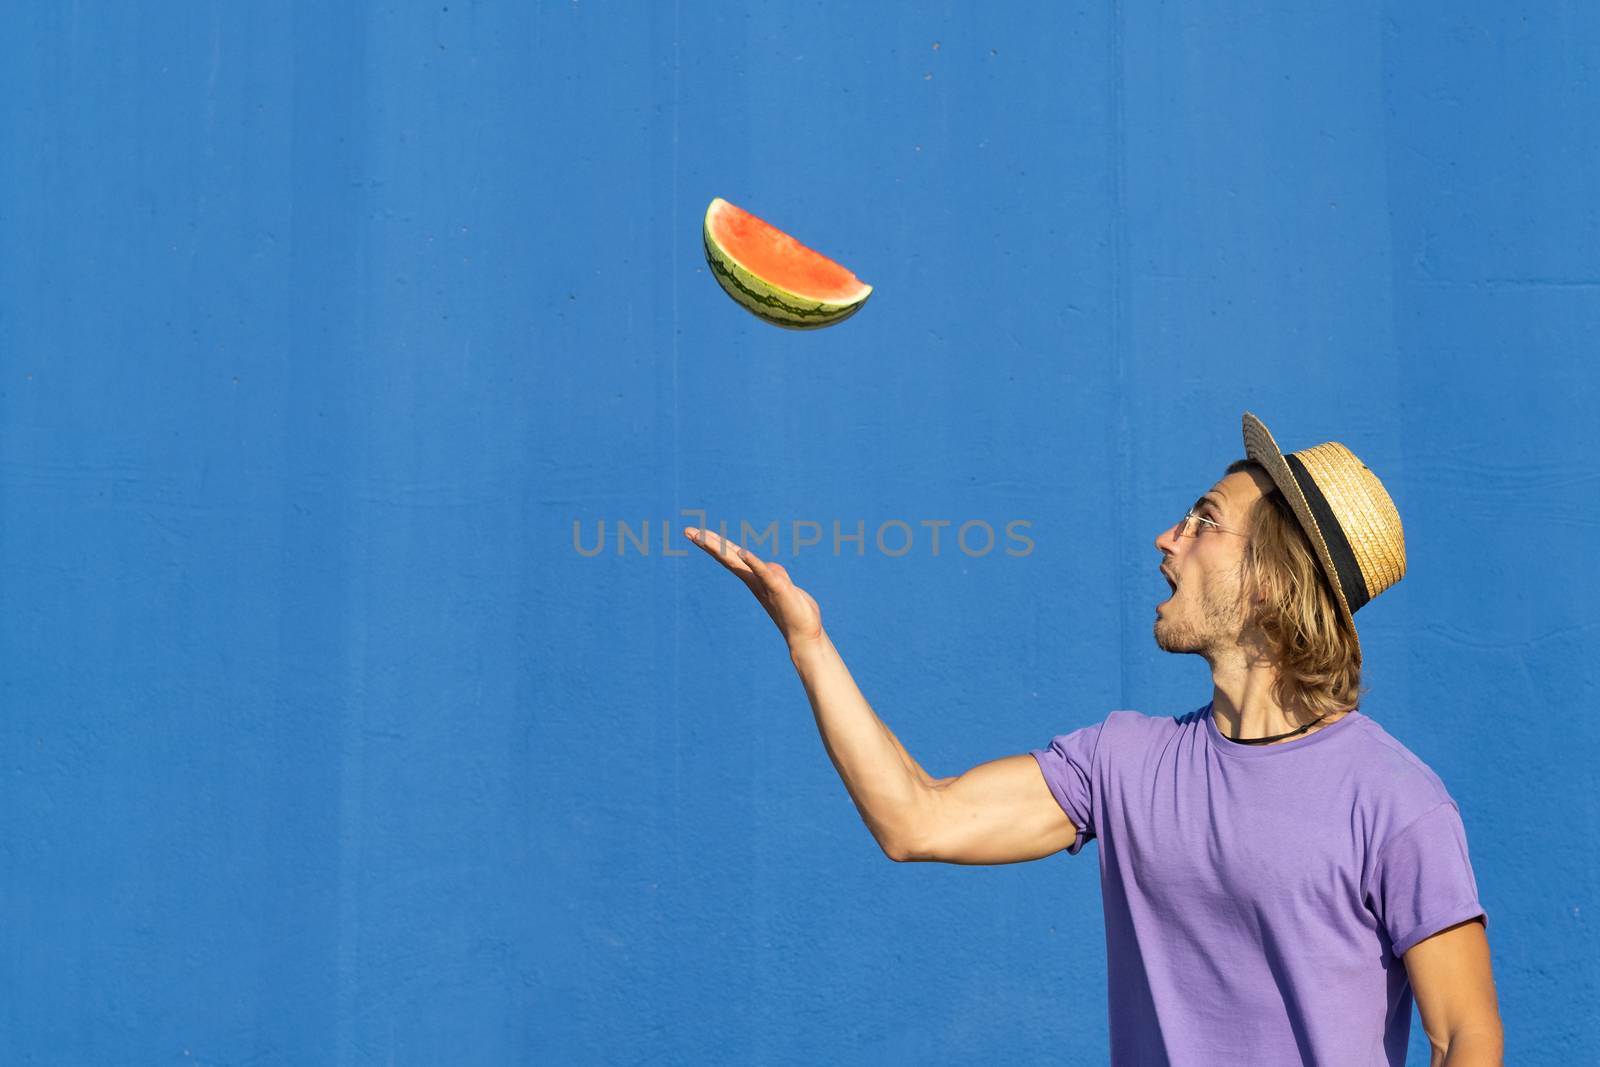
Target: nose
1167,540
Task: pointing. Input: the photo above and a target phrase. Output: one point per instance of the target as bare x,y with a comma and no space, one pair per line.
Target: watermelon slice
776,277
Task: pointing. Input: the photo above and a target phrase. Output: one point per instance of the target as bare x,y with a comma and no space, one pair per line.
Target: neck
1244,705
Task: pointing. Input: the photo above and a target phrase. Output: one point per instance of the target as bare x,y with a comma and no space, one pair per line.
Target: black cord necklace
1210,709
1269,740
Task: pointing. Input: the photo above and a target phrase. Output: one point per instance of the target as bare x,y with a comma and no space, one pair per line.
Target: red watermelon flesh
779,259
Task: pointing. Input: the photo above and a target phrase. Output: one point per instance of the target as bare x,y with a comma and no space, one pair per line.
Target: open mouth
1172,586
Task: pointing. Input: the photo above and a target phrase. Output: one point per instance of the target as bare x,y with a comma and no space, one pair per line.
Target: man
1280,876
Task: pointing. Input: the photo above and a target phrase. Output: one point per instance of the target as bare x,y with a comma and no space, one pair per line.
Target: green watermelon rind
766,301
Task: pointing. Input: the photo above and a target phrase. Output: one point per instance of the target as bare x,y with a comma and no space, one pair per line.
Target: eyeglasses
1191,524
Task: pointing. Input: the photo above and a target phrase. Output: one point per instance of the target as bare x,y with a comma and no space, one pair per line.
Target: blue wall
322,325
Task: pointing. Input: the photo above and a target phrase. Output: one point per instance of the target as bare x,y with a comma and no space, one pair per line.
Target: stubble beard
1218,625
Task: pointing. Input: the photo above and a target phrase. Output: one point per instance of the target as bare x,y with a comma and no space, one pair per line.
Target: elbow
904,839
1483,1047
900,847
906,848
896,850
907,840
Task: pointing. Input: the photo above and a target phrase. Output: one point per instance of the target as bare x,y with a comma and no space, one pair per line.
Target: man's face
1207,612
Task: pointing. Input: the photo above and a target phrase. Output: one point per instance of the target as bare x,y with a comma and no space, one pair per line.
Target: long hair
1318,661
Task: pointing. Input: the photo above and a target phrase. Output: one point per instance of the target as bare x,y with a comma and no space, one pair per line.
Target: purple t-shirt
1258,898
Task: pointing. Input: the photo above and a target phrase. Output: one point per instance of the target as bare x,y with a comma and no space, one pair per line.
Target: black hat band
1344,560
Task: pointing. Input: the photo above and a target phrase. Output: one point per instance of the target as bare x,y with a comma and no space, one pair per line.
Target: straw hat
1345,511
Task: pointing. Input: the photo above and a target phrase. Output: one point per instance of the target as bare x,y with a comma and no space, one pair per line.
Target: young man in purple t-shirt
1280,876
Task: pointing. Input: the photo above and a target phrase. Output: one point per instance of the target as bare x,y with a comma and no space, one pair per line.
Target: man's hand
791,608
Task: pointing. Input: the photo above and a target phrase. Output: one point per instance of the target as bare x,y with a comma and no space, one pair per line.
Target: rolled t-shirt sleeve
1067,767
1423,881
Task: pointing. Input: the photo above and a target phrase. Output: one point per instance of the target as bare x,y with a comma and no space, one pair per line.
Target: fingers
740,560
770,573
727,553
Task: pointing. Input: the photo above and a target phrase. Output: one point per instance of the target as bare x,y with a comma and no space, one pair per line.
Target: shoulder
1394,786
1121,734
1137,723
1387,759
1135,731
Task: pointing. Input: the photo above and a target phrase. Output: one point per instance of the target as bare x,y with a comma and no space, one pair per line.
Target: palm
791,608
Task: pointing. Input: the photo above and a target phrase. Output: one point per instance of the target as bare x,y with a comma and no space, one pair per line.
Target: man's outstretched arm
998,812
888,786
890,789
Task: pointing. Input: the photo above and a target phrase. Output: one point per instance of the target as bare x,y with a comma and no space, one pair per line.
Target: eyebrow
1208,501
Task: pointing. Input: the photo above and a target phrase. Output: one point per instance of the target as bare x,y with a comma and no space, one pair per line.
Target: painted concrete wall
321,326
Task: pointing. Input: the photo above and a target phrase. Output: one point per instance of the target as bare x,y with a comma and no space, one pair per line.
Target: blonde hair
1318,660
